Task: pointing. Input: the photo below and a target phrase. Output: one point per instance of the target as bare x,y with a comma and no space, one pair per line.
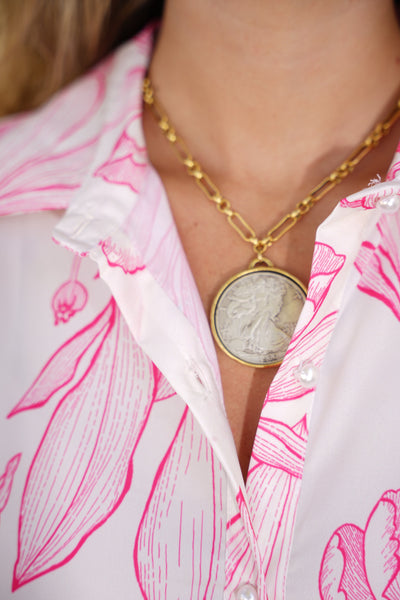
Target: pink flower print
280,446
311,344
395,167
69,363
6,480
312,334
40,172
380,265
239,565
70,297
118,255
144,40
164,389
172,555
82,468
273,486
367,201
377,192
325,267
151,224
127,162
279,450
365,564
272,489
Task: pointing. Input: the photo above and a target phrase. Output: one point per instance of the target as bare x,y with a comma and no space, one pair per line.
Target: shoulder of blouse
46,153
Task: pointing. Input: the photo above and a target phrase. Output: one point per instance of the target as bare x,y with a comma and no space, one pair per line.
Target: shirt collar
120,217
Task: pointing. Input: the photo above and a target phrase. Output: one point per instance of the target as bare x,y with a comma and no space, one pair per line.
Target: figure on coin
255,312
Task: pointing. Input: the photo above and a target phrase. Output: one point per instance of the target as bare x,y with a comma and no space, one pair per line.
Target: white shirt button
389,204
306,374
246,591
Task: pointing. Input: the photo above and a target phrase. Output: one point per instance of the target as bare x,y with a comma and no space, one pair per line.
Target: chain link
235,220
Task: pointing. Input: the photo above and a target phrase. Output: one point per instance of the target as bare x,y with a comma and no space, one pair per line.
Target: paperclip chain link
235,219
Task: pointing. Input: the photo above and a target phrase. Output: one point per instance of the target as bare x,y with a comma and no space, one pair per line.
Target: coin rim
217,298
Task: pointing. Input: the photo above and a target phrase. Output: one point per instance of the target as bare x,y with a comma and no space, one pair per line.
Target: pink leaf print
309,340
312,344
151,225
160,561
144,40
380,266
279,446
272,486
394,168
164,389
71,296
341,580
367,201
40,172
326,265
6,480
365,564
239,564
127,162
378,190
83,466
62,367
279,450
122,257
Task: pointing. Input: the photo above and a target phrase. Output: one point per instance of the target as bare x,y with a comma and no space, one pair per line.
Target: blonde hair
44,44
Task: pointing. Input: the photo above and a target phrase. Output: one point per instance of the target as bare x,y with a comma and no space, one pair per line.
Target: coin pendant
254,315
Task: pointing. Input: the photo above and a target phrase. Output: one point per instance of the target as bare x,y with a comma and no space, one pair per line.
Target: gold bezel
219,295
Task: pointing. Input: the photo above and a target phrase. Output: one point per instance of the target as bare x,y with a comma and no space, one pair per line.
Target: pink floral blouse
119,477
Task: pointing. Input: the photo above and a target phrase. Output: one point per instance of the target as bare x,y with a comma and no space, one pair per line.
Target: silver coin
254,315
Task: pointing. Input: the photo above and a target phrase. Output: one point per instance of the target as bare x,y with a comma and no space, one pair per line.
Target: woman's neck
244,81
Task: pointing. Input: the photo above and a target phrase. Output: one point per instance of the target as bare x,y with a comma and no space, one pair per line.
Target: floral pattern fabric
118,472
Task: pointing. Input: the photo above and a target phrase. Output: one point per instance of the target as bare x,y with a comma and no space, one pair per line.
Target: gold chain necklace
254,314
